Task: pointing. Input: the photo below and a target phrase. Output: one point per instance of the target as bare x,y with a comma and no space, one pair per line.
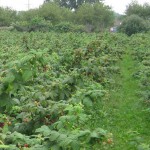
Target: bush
68,27
133,24
36,24
7,16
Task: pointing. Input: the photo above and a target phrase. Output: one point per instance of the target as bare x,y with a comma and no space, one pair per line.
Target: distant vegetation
94,17
137,19
82,16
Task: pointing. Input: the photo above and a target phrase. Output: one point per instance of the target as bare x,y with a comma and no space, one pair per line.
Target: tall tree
51,12
7,16
141,10
98,15
54,13
72,4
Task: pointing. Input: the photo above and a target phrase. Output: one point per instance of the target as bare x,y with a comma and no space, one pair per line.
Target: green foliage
20,73
75,140
94,14
51,12
142,55
27,15
137,9
51,16
7,16
68,27
67,15
137,19
35,24
52,87
55,90
133,24
72,4
38,24
98,16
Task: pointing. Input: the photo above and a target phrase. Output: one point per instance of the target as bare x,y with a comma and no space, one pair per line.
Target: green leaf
55,147
5,100
143,147
65,142
27,75
94,135
10,87
44,130
18,135
60,125
61,137
84,133
9,78
75,145
101,131
16,101
4,146
87,102
54,135
5,129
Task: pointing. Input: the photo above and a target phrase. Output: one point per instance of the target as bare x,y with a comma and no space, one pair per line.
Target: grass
124,115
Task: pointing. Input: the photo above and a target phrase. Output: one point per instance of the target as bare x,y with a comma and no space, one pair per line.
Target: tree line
90,13
71,15
72,4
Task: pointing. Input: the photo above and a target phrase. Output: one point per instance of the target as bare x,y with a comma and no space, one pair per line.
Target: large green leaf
44,130
5,100
54,135
4,146
87,102
27,75
75,145
61,137
94,135
9,78
65,142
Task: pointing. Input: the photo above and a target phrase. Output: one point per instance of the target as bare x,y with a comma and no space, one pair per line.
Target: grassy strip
123,112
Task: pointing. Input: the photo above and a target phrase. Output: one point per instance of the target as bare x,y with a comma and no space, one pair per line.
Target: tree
54,13
137,9
51,12
98,15
133,24
73,4
28,15
7,16
67,14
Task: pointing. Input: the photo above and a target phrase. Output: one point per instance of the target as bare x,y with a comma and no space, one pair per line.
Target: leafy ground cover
71,91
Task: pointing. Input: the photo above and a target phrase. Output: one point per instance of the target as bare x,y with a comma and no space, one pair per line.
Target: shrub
36,24
68,27
7,16
133,24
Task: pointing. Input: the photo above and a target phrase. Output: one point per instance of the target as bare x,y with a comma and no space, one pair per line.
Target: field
74,91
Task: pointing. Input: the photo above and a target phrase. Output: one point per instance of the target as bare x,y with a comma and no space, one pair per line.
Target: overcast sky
118,5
